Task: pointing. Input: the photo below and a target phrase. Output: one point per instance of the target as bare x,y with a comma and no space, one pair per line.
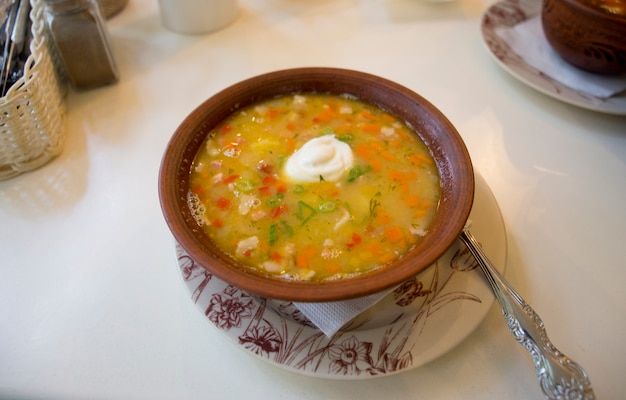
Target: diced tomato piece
198,189
276,211
222,203
230,179
272,113
269,180
355,240
265,191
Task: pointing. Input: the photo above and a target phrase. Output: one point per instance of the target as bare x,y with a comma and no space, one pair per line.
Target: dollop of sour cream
323,157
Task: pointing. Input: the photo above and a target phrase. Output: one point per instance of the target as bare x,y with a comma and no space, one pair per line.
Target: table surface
92,304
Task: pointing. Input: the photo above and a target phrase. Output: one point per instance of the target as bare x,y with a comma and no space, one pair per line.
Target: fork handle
559,376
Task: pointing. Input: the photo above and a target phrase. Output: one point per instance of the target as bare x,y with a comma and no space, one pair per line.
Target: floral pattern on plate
421,319
508,13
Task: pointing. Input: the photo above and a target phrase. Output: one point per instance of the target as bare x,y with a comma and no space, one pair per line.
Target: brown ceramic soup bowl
586,34
445,144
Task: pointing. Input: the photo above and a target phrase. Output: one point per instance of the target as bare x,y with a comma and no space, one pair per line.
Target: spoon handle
559,376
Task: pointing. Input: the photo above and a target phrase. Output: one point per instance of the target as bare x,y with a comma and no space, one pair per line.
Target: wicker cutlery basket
32,113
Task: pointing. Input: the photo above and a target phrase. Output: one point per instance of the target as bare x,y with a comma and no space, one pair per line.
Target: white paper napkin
529,42
329,317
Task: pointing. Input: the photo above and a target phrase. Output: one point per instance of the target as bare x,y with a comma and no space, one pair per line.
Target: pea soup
314,187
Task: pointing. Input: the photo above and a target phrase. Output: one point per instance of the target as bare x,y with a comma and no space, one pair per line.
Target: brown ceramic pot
444,142
586,37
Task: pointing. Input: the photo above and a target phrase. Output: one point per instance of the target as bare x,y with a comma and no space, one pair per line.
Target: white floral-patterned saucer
507,13
419,321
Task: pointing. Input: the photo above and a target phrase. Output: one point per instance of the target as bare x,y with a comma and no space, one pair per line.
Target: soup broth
314,187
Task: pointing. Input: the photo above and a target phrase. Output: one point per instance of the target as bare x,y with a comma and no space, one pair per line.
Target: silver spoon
559,376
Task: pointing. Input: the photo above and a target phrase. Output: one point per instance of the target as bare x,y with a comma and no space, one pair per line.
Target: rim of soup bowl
443,140
593,12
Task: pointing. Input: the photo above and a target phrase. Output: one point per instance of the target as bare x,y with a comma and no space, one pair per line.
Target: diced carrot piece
309,251
420,212
334,268
418,159
368,115
376,146
388,257
388,118
302,258
412,200
324,116
301,261
375,248
388,156
382,219
363,151
344,128
281,187
291,144
371,128
376,165
404,133
394,234
396,175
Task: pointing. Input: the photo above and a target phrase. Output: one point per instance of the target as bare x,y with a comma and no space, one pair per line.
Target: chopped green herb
327,206
298,189
272,234
273,201
244,185
357,171
287,230
346,137
374,204
282,159
327,130
305,212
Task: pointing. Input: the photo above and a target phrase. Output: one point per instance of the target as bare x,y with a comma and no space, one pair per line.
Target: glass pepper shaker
109,8
78,31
